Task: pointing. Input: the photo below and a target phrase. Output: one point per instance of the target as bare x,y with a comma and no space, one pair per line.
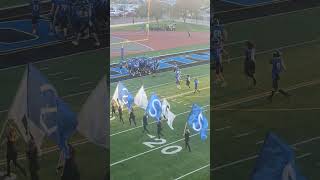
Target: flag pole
3,128
27,114
185,127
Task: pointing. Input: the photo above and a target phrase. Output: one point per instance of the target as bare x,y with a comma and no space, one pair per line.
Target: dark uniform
132,117
32,155
120,113
35,11
35,15
12,154
196,86
113,109
159,129
145,123
188,81
277,68
186,139
70,171
249,63
62,16
217,58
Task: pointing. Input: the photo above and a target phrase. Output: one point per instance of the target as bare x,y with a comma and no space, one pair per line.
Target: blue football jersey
218,32
35,8
277,66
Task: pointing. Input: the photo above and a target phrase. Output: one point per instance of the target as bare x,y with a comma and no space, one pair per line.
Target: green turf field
242,116
74,77
129,157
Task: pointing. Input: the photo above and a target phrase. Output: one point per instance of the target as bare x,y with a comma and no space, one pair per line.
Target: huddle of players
77,18
188,79
278,66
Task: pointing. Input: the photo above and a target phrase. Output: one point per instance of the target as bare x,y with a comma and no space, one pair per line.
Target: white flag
141,99
92,119
116,94
166,113
18,113
170,117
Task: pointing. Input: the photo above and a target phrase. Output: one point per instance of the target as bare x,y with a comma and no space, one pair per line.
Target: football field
74,77
140,156
242,117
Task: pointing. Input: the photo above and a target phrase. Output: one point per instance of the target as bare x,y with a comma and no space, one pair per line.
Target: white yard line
86,83
223,128
43,68
203,167
71,78
244,134
303,155
56,73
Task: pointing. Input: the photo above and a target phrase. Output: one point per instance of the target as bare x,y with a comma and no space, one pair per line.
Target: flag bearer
145,123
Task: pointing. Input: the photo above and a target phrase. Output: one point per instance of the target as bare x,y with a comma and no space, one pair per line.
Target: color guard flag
276,161
141,99
154,108
197,121
167,114
115,96
125,96
92,119
46,113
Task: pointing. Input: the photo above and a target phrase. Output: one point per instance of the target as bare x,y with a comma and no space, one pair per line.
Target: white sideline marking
244,134
192,172
303,155
44,68
55,74
86,83
255,156
137,155
224,128
260,142
70,78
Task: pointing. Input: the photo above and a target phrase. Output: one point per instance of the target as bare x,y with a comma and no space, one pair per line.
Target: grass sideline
238,133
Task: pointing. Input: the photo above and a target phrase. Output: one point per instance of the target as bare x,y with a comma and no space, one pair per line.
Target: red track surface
164,40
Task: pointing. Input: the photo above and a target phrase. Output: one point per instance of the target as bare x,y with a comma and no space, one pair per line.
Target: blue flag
154,108
275,161
47,111
125,96
198,122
